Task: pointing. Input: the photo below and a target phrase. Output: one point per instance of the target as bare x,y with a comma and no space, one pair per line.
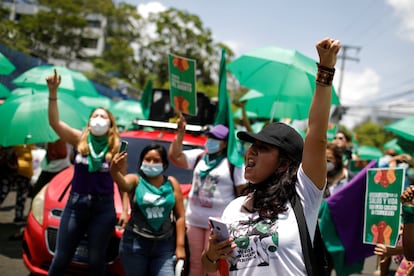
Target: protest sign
183,93
382,205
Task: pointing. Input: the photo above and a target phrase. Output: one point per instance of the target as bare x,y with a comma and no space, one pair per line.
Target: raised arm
175,151
407,200
126,183
65,132
314,160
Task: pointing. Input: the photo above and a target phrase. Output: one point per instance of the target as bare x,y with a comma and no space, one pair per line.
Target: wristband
208,258
325,75
408,214
52,99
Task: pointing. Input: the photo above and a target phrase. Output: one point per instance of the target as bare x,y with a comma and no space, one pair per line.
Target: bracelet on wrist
208,258
52,99
407,214
324,76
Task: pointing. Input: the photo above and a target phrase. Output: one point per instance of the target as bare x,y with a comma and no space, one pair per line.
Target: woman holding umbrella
90,208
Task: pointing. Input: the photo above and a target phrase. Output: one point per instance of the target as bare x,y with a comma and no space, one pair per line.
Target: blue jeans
93,215
142,256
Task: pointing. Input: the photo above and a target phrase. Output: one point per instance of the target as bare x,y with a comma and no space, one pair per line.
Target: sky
378,36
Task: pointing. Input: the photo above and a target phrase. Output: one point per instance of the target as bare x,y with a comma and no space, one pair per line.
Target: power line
360,15
393,95
364,32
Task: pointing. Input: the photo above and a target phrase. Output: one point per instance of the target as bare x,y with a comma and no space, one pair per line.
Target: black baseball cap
281,135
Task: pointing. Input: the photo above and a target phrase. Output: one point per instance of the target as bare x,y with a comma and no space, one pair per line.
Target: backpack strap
304,235
231,169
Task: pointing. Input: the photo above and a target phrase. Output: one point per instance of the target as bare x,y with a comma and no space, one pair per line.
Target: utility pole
340,110
344,57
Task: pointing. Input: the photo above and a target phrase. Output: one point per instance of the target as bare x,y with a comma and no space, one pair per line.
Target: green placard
331,133
183,93
382,205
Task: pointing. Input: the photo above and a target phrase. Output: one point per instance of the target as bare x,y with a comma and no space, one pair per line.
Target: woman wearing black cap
265,239
215,184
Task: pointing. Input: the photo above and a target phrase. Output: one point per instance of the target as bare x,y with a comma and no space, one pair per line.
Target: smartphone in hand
219,227
124,145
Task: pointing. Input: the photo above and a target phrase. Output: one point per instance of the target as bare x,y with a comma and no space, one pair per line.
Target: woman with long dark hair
155,234
280,168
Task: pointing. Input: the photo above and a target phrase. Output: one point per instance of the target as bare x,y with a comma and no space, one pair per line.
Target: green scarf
98,147
155,203
211,163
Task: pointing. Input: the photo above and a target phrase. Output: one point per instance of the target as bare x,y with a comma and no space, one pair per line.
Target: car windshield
135,146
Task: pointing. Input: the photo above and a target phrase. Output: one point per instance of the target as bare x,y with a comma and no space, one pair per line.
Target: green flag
224,115
146,99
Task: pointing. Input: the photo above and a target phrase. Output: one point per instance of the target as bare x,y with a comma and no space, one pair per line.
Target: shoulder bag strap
304,234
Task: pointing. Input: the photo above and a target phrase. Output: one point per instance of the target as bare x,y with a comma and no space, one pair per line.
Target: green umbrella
238,114
21,91
4,91
403,128
73,82
264,106
258,126
24,118
127,107
283,74
369,152
94,102
251,94
126,111
393,144
6,67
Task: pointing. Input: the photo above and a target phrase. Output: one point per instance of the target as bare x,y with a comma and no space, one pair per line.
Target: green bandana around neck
155,203
98,147
210,163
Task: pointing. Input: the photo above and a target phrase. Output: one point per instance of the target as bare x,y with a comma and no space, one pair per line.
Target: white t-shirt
210,195
272,247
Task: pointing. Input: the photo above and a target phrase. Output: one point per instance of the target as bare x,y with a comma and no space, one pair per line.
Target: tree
10,34
180,33
117,60
132,54
372,134
60,29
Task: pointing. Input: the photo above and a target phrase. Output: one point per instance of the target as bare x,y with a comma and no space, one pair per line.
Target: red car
39,239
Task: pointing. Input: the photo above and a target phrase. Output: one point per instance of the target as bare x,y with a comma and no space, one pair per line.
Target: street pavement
11,262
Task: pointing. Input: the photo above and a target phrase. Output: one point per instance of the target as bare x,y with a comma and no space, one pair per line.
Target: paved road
11,262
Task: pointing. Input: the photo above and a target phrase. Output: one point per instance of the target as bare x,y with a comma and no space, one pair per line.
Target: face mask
152,170
329,166
403,165
99,126
212,145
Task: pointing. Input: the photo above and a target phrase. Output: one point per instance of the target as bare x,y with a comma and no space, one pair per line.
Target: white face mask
152,170
329,166
99,126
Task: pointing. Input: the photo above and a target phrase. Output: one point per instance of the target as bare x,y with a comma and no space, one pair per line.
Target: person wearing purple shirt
90,208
